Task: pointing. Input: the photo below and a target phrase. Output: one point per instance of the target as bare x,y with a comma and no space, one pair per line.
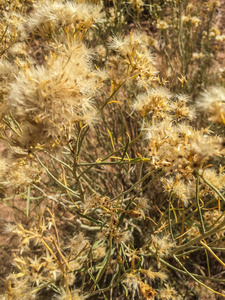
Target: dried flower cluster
50,267
212,102
48,100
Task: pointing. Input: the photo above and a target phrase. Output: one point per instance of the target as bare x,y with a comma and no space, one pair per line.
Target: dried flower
155,102
212,101
168,293
153,274
147,291
132,281
162,245
137,56
65,295
36,97
195,21
197,55
178,186
51,16
217,180
18,175
161,24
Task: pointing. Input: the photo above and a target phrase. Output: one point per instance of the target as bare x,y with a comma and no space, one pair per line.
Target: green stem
198,238
195,279
169,220
212,187
130,201
60,183
198,204
195,275
103,269
117,151
134,186
120,85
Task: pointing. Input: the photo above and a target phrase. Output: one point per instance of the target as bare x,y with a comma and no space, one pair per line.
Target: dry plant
125,195
187,38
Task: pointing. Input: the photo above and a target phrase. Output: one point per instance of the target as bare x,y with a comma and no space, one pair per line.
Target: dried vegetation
112,124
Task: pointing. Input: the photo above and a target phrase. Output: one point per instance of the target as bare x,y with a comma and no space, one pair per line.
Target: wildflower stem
134,160
213,187
79,183
182,226
87,217
180,32
207,261
108,99
198,204
199,238
7,122
60,183
91,165
80,139
211,251
134,186
60,161
105,289
169,220
200,248
195,275
144,187
130,201
102,271
192,276
4,33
